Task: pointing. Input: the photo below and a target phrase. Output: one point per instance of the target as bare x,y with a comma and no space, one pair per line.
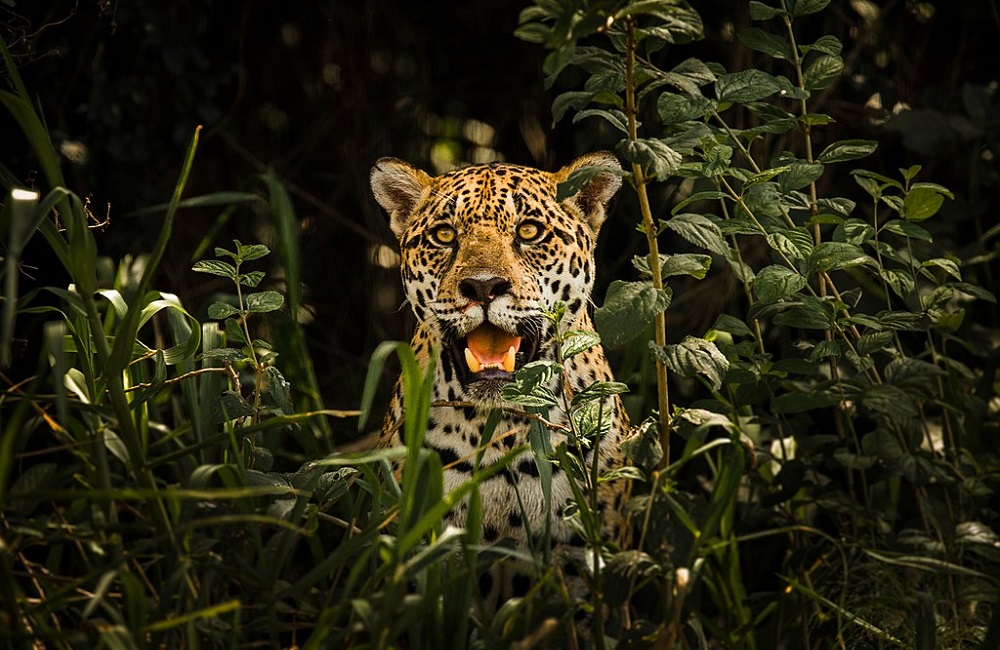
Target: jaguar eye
444,235
529,231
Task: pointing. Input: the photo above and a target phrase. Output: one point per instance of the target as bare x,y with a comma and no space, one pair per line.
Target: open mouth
489,352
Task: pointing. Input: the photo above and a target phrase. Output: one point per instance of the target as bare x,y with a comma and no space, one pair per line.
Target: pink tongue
490,343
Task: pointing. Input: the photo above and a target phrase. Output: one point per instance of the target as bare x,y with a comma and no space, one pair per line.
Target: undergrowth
817,470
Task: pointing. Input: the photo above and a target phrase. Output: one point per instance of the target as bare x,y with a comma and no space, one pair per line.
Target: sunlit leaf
215,267
700,231
843,150
776,282
922,202
822,72
221,310
675,108
694,356
264,301
746,86
830,255
652,154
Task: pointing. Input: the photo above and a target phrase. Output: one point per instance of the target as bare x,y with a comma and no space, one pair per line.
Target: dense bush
818,464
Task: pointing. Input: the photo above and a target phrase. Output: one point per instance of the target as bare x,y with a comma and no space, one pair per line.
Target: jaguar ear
398,186
605,179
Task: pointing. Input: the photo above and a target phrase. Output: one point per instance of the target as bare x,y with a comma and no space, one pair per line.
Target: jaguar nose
483,290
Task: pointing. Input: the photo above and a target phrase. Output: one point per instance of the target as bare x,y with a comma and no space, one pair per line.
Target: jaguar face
485,250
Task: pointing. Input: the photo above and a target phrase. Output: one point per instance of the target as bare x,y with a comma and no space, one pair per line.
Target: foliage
853,373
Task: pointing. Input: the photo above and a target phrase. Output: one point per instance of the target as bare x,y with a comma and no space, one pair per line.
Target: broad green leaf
221,310
799,175
598,390
718,160
799,8
766,42
907,229
825,349
822,72
616,118
827,45
234,332
796,243
881,180
707,195
746,86
264,301
764,176
853,231
578,341
538,397
810,313
530,385
692,264
250,252
871,342
900,281
892,320
678,23
847,150
816,119
761,11
251,279
628,309
774,283
230,355
946,265
694,356
922,202
838,205
215,267
830,256
700,231
675,108
652,154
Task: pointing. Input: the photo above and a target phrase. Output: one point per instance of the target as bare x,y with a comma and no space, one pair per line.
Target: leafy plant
836,374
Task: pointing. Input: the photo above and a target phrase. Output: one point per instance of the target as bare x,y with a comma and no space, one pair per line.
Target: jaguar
486,251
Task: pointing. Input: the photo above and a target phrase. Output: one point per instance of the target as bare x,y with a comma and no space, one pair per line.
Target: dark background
319,90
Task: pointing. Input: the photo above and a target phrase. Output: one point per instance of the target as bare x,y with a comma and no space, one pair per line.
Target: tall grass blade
301,371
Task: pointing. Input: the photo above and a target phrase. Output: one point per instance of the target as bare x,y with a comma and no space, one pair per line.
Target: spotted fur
490,243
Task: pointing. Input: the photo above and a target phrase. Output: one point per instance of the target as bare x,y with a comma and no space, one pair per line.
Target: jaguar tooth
472,361
508,359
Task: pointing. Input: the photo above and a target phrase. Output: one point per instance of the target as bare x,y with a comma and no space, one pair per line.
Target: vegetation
816,468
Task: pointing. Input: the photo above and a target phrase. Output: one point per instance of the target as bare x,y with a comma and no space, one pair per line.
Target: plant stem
649,227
